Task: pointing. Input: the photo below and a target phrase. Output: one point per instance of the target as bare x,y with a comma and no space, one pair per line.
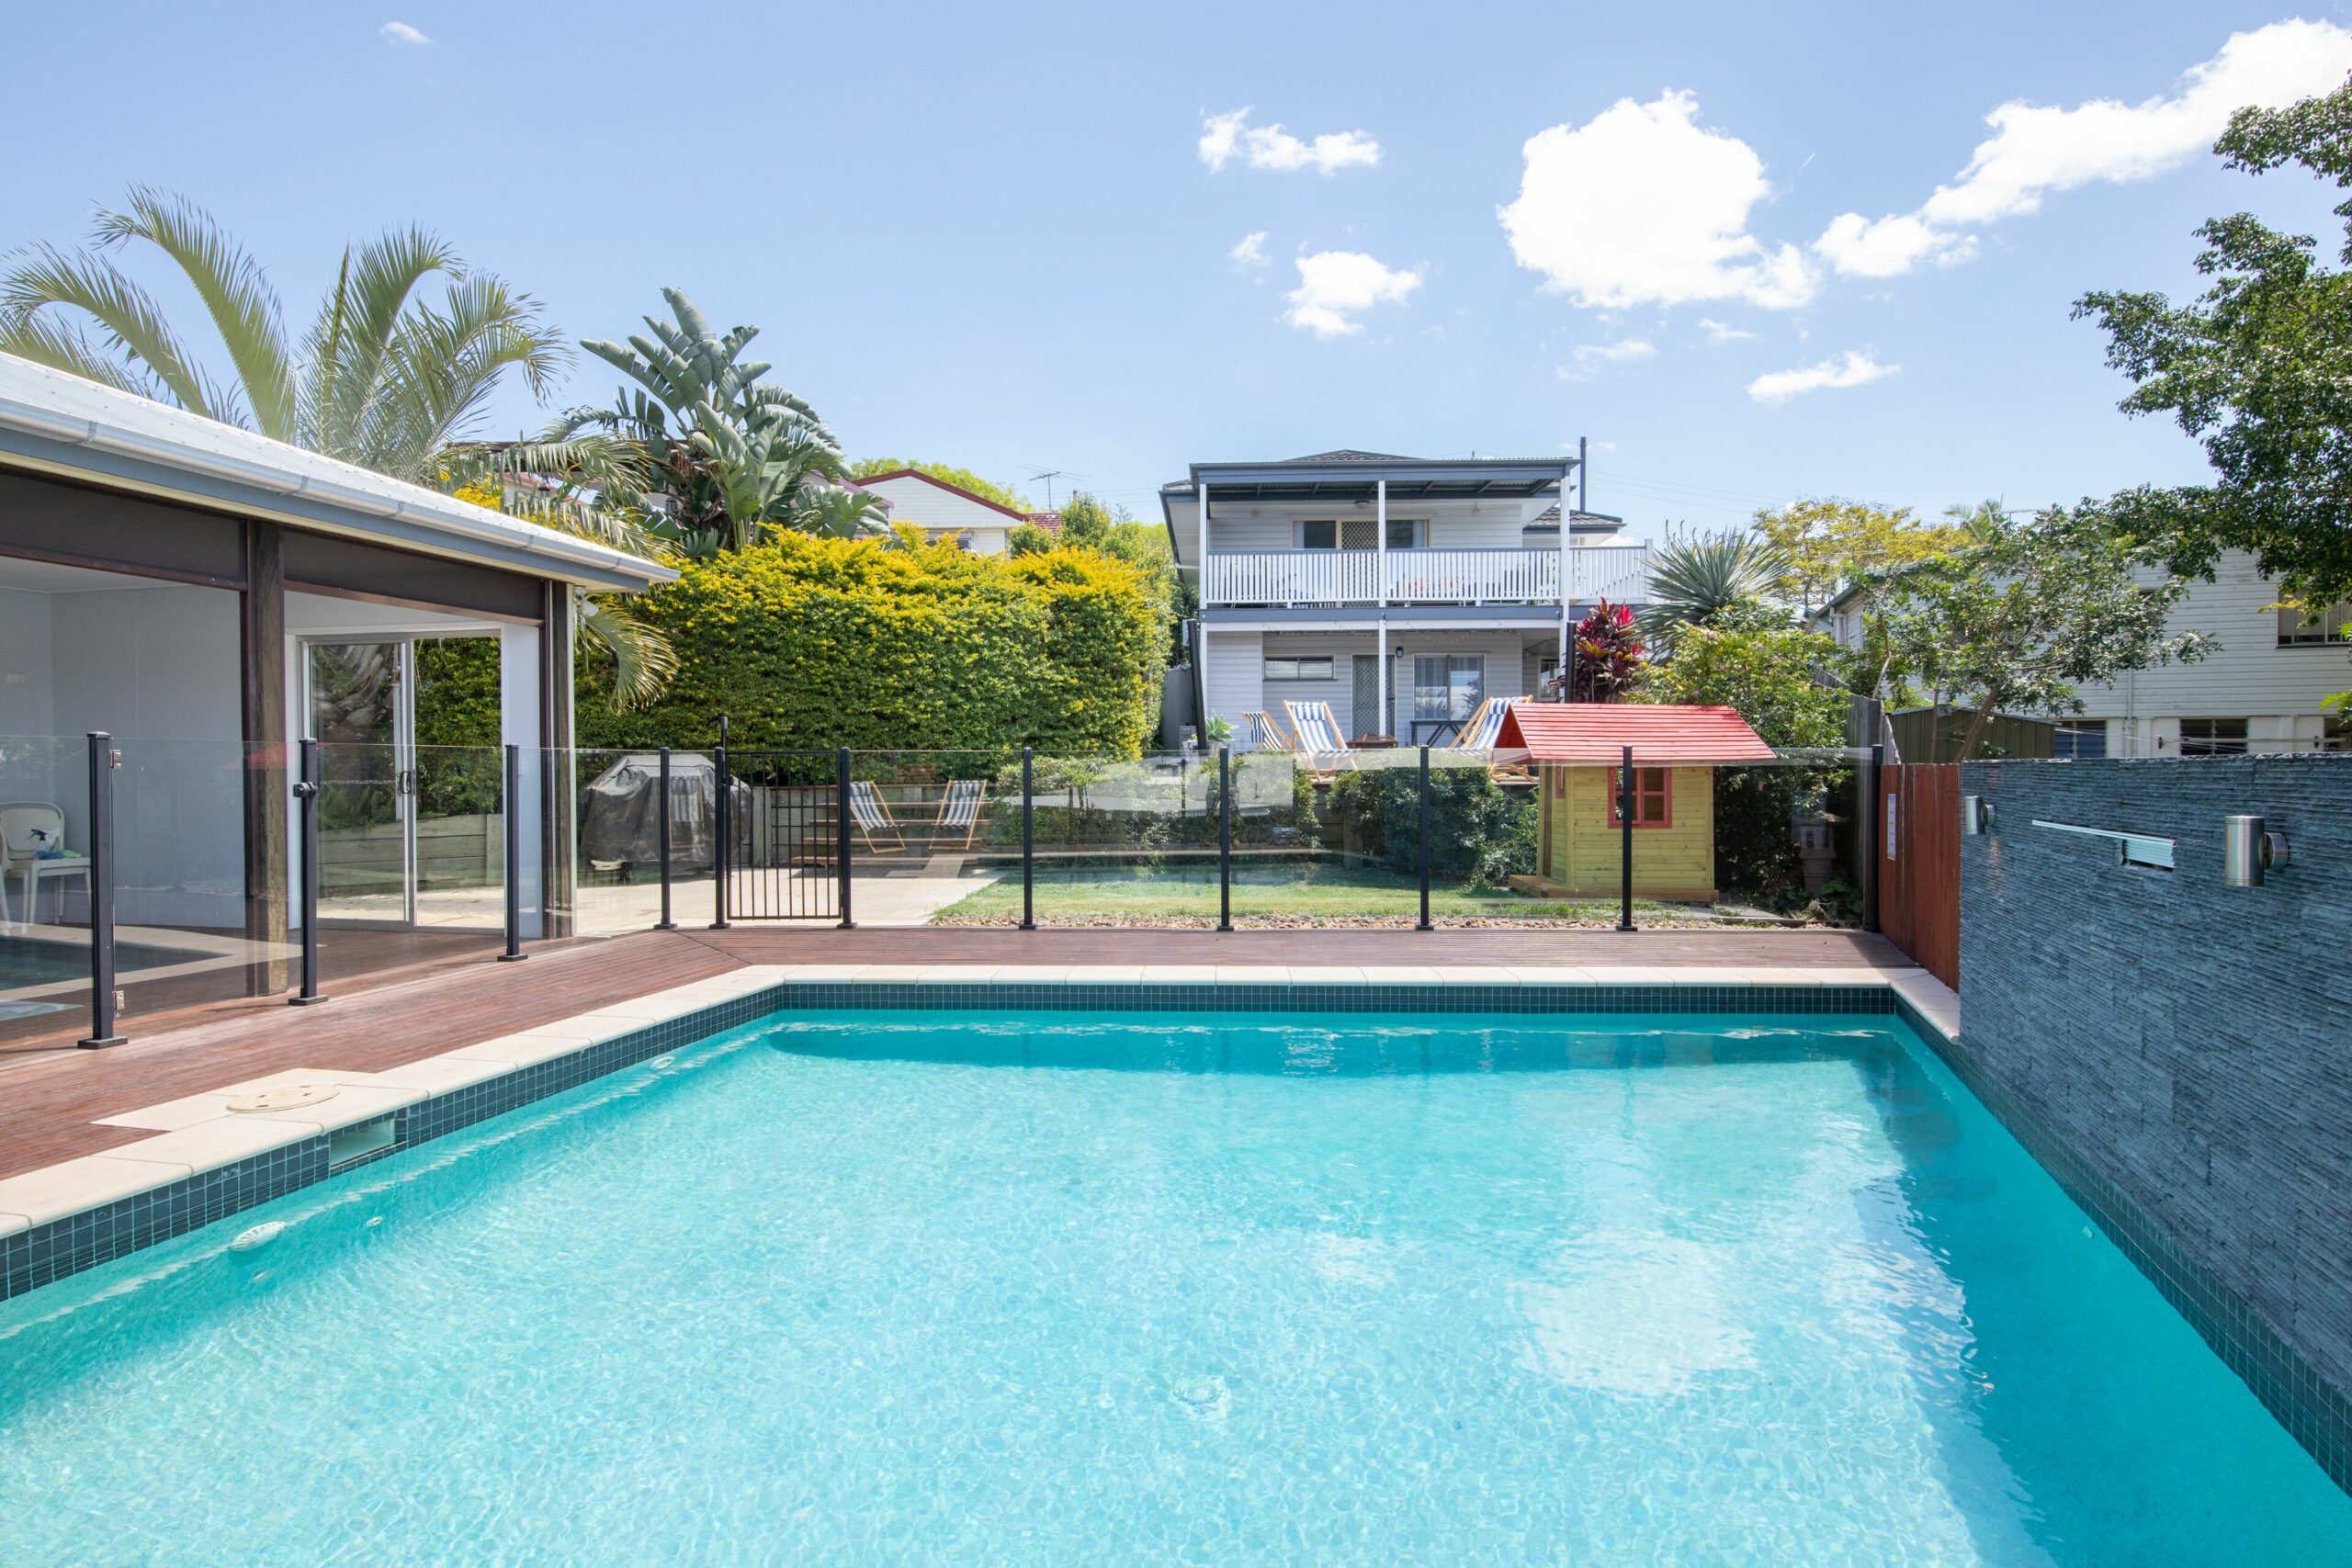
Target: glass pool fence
139,876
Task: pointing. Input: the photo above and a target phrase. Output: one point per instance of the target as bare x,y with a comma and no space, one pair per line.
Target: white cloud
1890,246
2035,150
1722,332
401,33
1249,251
1334,287
1589,356
1224,137
1854,367
1642,206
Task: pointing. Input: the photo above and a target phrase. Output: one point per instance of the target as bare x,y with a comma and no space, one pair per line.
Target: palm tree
704,452
1697,578
391,376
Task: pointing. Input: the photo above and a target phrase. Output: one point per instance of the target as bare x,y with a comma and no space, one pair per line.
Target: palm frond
644,661
60,345
128,319
349,347
234,289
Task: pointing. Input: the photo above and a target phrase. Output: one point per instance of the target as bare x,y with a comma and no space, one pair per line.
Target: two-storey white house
2260,691
1402,590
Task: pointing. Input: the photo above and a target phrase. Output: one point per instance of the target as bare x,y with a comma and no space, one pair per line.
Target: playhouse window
1653,798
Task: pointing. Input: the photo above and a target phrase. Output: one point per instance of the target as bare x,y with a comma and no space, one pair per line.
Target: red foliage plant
1608,653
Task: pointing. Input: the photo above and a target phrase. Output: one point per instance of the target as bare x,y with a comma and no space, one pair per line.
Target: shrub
884,644
1479,832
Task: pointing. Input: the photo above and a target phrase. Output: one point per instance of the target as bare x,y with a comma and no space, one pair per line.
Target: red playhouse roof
1659,734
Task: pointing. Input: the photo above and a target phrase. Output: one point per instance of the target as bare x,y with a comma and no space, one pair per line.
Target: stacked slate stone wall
2178,1052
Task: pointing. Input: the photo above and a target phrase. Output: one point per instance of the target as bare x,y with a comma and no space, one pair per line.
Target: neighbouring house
1578,750
2262,691
1402,590
943,511
210,598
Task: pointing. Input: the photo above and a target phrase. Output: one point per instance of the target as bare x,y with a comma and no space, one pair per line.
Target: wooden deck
48,1098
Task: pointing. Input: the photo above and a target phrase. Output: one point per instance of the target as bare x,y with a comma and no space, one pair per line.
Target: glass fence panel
455,799
616,879
186,931
411,855
1126,842
44,889
1789,837
935,838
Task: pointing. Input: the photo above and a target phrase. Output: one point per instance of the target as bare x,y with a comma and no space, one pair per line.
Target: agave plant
394,374
1697,578
704,451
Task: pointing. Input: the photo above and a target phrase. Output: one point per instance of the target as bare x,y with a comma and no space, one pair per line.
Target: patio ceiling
1358,477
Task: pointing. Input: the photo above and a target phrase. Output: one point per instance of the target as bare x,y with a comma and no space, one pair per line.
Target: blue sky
1005,237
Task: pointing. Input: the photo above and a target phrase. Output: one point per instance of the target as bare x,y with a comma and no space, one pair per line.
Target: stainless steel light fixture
2249,852
1975,815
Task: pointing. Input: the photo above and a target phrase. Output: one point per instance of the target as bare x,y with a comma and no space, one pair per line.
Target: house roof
934,481
1548,521
63,424
1658,733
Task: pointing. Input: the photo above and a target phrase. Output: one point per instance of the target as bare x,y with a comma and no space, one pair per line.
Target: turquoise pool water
889,1288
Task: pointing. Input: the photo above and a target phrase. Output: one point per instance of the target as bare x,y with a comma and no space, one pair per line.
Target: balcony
1617,572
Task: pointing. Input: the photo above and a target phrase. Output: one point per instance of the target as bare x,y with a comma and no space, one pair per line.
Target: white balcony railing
1619,572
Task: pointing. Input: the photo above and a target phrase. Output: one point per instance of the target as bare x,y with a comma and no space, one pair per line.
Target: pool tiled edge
209,1164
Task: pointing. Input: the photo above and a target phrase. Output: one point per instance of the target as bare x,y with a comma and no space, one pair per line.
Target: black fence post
842,850
1225,838
1425,840
104,759
724,855
1872,825
1626,803
666,923
513,954
306,792
1028,841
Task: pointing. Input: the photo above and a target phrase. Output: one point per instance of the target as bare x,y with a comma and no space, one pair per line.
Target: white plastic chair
26,828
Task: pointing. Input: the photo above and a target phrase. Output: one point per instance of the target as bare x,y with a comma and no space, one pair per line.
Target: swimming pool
1057,1288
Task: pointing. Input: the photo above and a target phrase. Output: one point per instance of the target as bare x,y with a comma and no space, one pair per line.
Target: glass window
1448,685
1653,797
2212,737
2081,739
1317,669
2335,733
1320,536
2298,628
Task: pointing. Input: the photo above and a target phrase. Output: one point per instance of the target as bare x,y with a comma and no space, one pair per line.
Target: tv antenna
1047,478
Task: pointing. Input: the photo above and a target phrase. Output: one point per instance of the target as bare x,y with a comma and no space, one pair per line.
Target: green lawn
1305,893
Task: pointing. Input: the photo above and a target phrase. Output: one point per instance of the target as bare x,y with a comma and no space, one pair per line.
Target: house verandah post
1380,545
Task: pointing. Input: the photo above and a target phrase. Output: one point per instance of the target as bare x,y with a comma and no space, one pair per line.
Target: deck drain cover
292,1098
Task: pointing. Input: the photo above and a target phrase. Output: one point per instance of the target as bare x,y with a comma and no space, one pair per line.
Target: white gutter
417,505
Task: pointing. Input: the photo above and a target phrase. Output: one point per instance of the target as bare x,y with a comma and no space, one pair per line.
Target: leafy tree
2026,612
962,479
1028,539
1086,522
1694,580
1765,673
1829,543
2259,369
698,448
400,359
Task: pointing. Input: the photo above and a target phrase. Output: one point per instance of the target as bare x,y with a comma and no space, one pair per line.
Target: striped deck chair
1265,734
960,812
872,814
1318,729
1479,731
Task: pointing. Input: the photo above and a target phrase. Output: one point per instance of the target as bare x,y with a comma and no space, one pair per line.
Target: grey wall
2184,1046
24,663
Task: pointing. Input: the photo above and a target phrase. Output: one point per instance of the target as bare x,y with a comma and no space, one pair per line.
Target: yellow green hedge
869,643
